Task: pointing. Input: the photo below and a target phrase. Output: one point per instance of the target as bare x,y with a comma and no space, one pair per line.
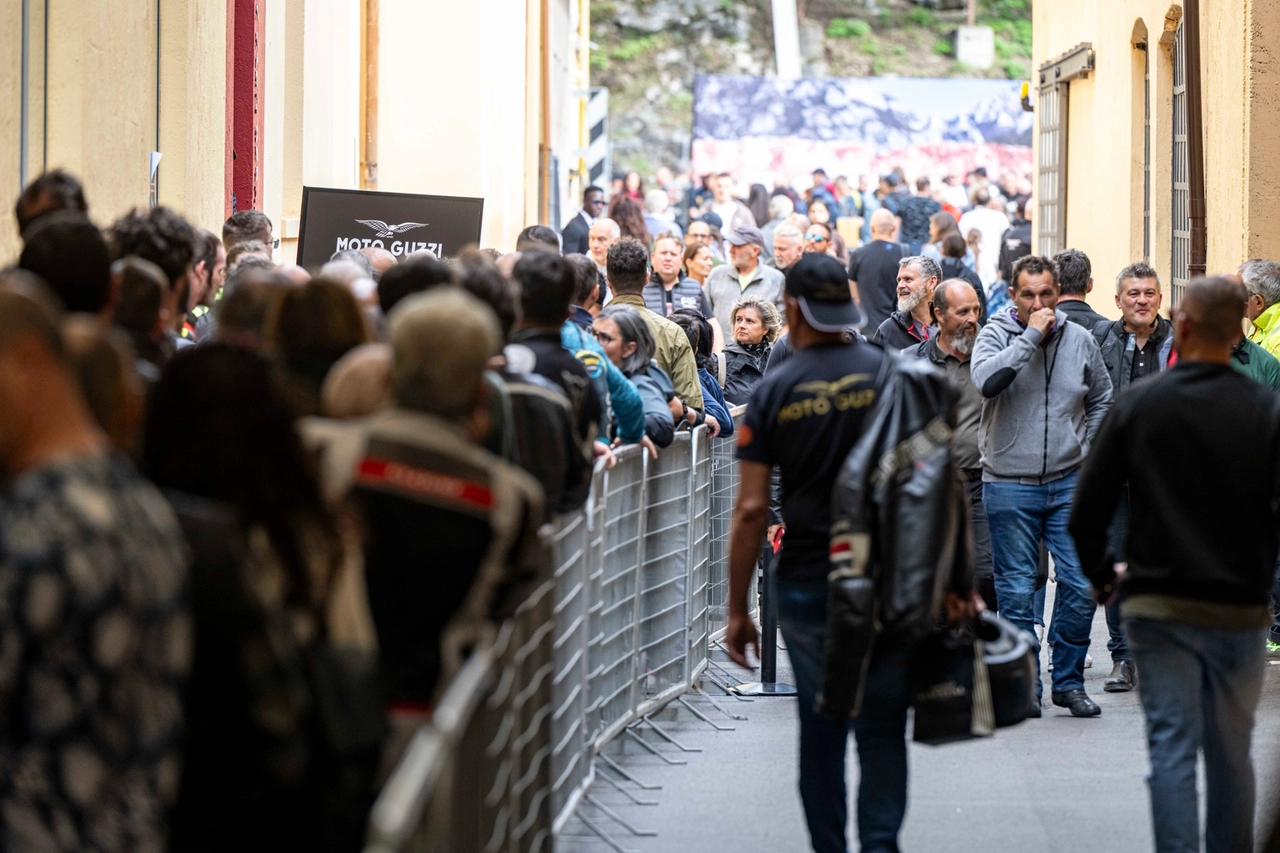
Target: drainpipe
24,111
544,97
1195,140
369,94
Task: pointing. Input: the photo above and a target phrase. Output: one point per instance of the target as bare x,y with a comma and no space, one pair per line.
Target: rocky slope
649,51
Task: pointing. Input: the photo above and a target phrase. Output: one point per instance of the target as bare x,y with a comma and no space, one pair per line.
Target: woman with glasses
629,345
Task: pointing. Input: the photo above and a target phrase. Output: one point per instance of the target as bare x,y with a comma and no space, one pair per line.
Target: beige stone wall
193,91
1241,95
460,118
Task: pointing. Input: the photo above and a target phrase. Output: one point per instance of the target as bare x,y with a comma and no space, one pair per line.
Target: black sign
401,223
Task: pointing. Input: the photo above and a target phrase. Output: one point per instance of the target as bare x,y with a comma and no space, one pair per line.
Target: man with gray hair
450,528
911,323
788,244
657,214
780,207
1262,284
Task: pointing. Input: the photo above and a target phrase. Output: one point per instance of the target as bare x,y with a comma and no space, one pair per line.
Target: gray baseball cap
746,235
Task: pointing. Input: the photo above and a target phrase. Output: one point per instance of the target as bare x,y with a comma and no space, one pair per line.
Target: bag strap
720,369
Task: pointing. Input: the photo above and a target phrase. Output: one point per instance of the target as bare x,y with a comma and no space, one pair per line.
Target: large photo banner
753,126
401,223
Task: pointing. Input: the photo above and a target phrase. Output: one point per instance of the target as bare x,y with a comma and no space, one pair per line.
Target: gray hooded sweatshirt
1042,402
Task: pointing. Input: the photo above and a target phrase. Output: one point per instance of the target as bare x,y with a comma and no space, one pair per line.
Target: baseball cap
820,284
746,235
713,219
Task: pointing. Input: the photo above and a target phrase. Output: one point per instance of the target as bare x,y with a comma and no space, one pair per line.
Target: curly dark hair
159,235
243,450
628,266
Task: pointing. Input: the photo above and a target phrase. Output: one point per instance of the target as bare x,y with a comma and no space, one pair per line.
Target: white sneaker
1050,657
1088,660
1040,634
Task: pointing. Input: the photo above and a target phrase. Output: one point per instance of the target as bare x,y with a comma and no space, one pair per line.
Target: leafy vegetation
847,28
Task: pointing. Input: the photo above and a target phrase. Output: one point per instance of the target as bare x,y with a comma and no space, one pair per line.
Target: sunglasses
815,237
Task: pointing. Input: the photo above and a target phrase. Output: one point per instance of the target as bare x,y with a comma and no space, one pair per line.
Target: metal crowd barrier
623,628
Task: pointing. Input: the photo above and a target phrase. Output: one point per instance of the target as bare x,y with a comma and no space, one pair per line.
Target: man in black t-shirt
804,418
874,270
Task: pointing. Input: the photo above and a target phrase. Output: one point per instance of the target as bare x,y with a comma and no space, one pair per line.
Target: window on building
1052,107
1051,192
1146,154
1179,266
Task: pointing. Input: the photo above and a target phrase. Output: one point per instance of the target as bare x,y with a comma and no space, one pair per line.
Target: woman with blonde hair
755,325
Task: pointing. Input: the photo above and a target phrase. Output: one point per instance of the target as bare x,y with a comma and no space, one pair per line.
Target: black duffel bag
966,683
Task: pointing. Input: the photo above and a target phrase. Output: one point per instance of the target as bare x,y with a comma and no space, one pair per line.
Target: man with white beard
911,324
957,310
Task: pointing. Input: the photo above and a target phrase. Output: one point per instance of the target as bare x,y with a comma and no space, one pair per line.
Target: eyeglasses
815,237
603,337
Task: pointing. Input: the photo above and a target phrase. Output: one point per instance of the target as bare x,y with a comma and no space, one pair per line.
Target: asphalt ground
1053,784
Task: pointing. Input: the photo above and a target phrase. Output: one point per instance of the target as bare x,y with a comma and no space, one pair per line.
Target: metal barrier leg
653,748
668,738
625,775
620,820
618,787
701,716
602,835
768,684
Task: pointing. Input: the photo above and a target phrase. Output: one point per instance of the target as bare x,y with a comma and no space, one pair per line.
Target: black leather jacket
899,537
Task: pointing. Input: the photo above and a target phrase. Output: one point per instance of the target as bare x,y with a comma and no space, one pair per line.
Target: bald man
603,234
873,269
380,259
1201,550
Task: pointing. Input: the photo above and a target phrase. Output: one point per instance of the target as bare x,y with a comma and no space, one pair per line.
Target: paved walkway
1054,784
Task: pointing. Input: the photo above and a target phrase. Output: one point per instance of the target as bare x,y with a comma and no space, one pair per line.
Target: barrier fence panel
571,551
621,627
699,633
615,620
724,491
665,575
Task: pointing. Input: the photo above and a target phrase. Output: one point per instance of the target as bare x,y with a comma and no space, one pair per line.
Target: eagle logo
385,230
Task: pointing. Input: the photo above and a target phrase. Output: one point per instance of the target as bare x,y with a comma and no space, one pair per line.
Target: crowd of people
1141,510
225,478
221,479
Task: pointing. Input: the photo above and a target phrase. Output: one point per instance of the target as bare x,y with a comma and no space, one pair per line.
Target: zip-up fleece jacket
1043,400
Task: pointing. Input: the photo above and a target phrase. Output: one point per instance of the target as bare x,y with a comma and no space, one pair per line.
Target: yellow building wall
461,118
101,104
1240,88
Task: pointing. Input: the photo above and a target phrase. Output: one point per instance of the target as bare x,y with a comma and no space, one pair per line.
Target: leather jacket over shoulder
899,537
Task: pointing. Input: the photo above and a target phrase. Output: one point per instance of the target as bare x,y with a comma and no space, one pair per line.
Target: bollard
768,684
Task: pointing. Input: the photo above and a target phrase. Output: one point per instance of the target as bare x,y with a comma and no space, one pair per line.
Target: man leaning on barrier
450,529
805,418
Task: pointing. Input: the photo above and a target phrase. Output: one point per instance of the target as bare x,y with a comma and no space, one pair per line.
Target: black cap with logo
821,285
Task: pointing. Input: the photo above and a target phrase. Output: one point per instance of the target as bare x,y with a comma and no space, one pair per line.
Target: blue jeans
1199,689
880,730
1020,517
